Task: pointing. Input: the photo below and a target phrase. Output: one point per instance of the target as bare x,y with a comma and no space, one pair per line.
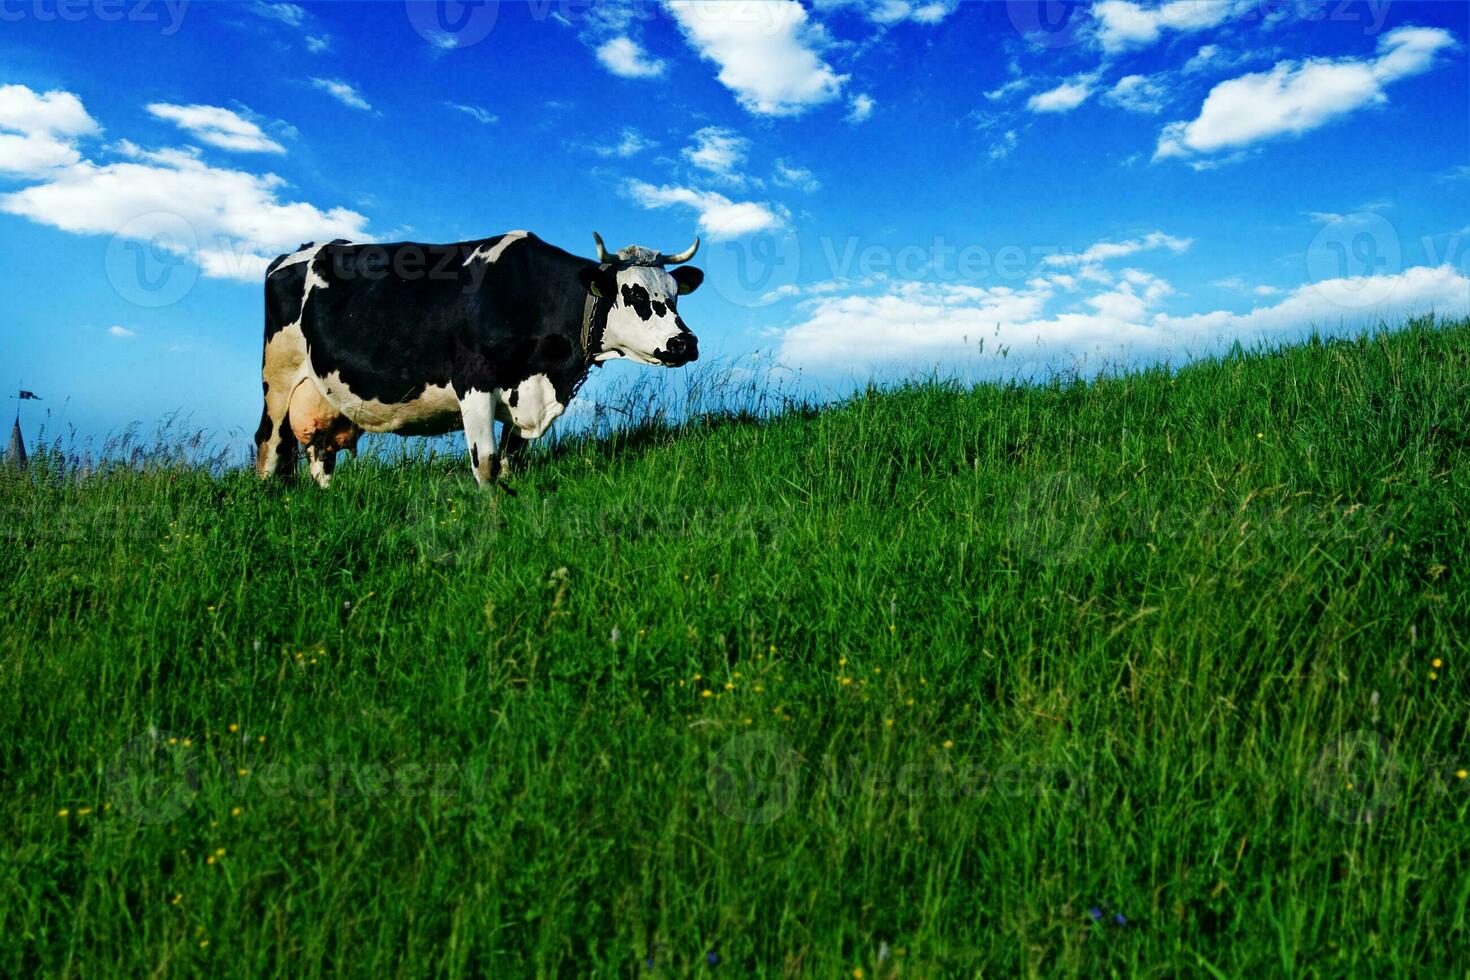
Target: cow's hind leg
275,444
477,409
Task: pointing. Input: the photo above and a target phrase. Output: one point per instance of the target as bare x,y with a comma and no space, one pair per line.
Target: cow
429,339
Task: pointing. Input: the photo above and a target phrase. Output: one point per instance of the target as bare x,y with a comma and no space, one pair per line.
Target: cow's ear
598,281
688,279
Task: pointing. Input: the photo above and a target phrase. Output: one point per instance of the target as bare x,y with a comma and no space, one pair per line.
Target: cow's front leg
477,408
323,461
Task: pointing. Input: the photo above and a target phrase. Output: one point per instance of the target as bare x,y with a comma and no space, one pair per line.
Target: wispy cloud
626,58
719,217
287,13
1064,97
217,126
476,113
630,143
343,92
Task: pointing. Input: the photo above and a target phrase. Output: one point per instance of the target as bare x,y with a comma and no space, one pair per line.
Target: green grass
978,660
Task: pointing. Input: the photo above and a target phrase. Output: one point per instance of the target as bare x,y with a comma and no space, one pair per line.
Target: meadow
1158,674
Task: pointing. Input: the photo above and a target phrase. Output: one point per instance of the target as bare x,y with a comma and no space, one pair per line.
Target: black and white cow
428,339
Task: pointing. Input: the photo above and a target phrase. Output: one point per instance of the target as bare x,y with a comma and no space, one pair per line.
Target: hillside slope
1164,672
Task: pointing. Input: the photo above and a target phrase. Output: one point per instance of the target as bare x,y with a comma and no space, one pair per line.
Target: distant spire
15,453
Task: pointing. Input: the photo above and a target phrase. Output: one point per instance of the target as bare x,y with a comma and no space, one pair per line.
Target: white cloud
479,115
860,108
630,143
441,40
1462,172
1065,97
1104,251
791,175
286,13
719,151
764,50
1206,57
39,133
1003,145
219,127
1122,24
1138,93
626,58
890,12
121,332
1295,97
228,221
316,45
914,323
1009,88
719,217
343,92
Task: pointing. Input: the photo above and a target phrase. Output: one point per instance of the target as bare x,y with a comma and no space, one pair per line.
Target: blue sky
881,186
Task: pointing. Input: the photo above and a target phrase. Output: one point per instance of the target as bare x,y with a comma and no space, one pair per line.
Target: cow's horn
602,255
683,256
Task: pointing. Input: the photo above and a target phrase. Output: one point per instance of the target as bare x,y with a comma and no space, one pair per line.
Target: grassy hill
1160,674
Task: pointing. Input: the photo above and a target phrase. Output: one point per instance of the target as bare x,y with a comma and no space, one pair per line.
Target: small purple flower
712,958
1096,913
1119,920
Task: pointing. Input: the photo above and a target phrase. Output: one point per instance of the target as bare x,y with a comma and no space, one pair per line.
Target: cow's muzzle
682,349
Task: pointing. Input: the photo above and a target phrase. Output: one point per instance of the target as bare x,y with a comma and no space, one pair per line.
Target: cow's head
643,322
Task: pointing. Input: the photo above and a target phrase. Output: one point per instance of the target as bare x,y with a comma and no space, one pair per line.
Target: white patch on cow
535,406
296,258
628,334
435,408
492,253
312,281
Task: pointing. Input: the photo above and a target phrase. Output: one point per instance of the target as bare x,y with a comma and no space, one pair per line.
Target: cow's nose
683,348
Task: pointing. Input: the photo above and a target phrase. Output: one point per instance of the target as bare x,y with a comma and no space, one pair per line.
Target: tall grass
1161,673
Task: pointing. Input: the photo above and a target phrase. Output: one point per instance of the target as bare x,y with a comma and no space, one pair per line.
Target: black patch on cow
263,431
555,348
660,310
600,281
474,455
515,397
636,297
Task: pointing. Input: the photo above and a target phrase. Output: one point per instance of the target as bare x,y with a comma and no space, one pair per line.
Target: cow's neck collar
592,332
